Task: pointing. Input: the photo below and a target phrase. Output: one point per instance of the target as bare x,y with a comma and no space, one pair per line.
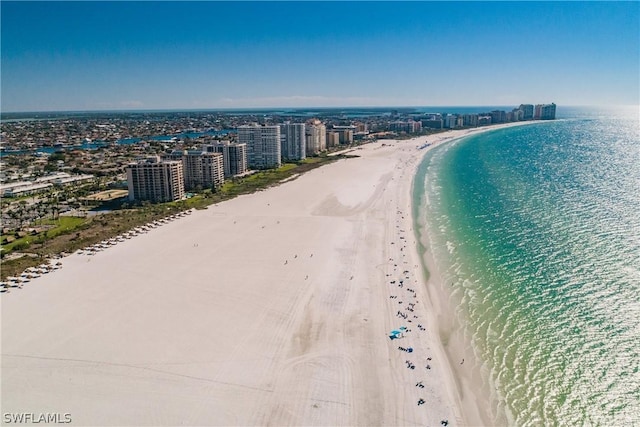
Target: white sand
269,309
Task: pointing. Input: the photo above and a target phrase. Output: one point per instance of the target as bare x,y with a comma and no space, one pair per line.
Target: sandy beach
269,309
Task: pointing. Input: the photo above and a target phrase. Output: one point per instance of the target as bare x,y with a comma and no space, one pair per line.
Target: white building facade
293,141
263,145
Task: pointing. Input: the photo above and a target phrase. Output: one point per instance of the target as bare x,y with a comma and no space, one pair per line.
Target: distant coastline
299,111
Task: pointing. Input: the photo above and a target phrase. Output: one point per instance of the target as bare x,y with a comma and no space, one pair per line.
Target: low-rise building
23,190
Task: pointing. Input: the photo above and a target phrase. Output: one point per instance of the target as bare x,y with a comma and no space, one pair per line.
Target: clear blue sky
164,55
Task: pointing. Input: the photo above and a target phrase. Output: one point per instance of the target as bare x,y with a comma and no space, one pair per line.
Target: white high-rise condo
293,142
263,145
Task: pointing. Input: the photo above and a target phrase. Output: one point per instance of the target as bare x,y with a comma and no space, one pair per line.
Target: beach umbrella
396,334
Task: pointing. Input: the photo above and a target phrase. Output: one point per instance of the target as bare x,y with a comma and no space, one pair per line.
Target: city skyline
77,56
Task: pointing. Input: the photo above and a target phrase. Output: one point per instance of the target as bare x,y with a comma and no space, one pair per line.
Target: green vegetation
263,179
64,224
60,226
67,234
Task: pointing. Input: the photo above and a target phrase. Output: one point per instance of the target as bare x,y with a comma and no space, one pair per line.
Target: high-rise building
484,120
176,155
398,126
263,145
545,112
527,111
316,135
234,157
333,139
345,136
361,127
451,121
537,112
470,120
409,126
201,168
515,115
432,123
498,116
155,180
293,141
548,112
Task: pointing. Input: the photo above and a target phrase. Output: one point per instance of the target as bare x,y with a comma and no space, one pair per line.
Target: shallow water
537,230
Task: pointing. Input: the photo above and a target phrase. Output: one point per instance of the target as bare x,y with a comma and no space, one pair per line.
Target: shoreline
474,397
270,308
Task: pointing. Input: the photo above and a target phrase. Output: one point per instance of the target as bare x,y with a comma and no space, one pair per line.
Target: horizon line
226,109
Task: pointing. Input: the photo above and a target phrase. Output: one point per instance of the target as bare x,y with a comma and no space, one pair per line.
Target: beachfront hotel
155,180
293,141
234,157
263,145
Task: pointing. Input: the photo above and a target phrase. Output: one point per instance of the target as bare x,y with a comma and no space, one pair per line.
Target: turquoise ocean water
535,230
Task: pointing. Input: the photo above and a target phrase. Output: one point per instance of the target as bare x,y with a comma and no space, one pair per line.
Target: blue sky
192,55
